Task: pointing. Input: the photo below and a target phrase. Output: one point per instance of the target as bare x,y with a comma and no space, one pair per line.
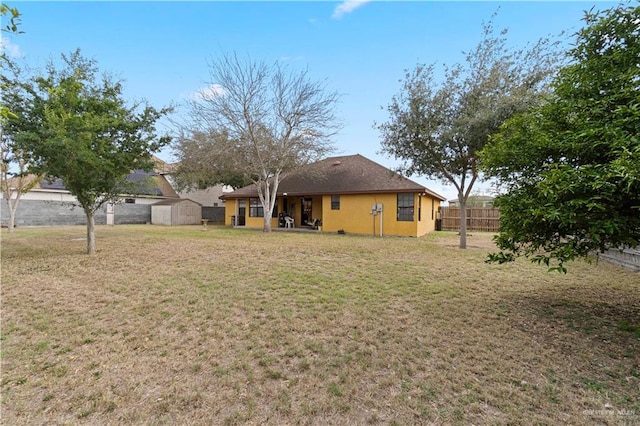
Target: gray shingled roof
150,183
350,174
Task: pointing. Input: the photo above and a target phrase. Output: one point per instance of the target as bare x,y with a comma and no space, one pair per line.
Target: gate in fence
485,219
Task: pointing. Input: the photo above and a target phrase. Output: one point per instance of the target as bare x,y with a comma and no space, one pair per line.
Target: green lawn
180,325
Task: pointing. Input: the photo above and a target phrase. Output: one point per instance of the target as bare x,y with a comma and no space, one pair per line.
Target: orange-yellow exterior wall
427,221
354,215
294,208
229,211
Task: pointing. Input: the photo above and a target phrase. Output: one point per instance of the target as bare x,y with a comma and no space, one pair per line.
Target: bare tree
261,122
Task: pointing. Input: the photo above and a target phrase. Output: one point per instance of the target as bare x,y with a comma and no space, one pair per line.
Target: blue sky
161,49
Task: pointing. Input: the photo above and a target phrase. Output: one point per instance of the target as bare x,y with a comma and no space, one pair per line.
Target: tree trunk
91,235
268,200
12,205
12,213
267,222
463,221
23,186
266,211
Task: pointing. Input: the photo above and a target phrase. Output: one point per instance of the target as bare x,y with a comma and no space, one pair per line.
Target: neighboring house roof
31,181
53,184
162,167
350,174
165,187
155,186
151,184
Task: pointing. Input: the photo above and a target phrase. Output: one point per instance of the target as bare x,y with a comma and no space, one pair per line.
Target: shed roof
350,174
171,201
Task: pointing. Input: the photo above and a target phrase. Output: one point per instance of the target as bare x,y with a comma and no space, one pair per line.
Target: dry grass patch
185,326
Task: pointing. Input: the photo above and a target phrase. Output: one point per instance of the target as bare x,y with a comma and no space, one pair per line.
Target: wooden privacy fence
478,219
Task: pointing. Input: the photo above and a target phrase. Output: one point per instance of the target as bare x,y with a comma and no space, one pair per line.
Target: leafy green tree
90,138
14,18
10,27
259,123
437,128
571,167
15,95
207,158
25,118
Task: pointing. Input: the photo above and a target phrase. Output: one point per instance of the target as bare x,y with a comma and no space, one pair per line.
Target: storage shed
176,211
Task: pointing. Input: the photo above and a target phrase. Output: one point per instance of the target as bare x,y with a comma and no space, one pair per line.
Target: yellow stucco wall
354,215
428,215
250,222
229,211
294,208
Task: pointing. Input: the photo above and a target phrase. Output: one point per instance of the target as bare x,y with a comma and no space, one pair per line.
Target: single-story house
176,211
349,194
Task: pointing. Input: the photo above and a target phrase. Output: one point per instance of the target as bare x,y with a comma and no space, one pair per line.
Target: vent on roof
336,163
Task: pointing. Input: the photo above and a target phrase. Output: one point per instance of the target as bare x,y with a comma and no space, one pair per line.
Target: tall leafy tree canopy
23,118
14,96
90,138
571,167
208,158
11,26
438,126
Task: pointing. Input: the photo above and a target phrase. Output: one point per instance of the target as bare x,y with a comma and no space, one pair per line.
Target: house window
405,207
335,202
255,208
130,200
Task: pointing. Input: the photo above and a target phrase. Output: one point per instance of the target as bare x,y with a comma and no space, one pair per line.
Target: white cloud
347,6
291,58
10,49
208,92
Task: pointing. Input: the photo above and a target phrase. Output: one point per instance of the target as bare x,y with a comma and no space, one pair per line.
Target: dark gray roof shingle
350,174
148,183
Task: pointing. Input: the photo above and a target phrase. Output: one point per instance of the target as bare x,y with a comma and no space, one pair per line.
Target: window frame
406,203
255,207
257,210
335,202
